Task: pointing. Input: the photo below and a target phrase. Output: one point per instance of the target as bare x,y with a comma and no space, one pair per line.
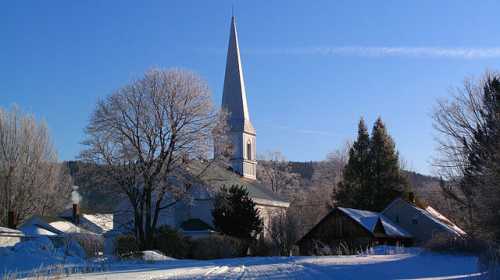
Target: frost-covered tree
274,171
469,151
145,131
31,179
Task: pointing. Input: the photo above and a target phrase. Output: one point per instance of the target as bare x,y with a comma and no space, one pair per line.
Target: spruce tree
356,172
386,180
236,214
372,177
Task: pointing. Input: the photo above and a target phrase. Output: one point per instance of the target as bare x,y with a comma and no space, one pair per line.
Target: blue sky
312,68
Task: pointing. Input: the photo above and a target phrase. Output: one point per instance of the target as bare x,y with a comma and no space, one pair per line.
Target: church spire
234,98
234,102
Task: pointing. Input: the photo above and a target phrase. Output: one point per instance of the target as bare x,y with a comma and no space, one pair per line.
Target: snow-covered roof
69,227
392,229
8,231
369,219
433,215
38,226
445,222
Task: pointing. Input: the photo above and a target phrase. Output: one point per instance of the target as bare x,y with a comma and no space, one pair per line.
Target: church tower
234,102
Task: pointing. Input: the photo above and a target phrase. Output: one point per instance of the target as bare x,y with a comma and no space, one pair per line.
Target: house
354,228
70,221
422,223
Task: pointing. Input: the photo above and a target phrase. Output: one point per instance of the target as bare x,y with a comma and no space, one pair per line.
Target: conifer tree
356,172
386,180
236,214
372,177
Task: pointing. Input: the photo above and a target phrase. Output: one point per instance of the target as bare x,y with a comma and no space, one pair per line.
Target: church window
249,150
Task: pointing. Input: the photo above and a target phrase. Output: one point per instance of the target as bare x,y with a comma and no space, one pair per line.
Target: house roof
10,232
433,215
96,222
39,225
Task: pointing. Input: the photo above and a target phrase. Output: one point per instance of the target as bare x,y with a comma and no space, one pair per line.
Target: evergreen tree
372,177
482,172
235,213
356,172
386,180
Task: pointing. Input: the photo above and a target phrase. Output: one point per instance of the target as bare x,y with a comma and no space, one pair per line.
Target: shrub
126,245
171,242
489,261
262,247
283,233
93,245
216,247
446,244
195,224
319,248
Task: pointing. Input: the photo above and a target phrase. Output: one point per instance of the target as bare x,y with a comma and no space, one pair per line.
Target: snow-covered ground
381,263
413,265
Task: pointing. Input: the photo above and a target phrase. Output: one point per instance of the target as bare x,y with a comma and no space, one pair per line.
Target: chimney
11,220
76,213
411,197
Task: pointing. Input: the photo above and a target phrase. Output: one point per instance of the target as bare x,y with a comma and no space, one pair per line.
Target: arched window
249,150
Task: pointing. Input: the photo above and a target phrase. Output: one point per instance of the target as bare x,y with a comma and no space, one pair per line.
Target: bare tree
145,131
284,232
274,171
31,179
467,124
328,173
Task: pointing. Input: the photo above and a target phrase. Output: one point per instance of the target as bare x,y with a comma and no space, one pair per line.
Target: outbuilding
354,228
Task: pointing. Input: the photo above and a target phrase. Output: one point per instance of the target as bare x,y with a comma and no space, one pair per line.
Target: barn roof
369,219
431,214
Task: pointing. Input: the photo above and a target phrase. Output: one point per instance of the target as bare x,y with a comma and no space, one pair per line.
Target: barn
355,228
423,223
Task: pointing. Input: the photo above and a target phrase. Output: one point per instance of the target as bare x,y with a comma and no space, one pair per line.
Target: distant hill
98,196
417,181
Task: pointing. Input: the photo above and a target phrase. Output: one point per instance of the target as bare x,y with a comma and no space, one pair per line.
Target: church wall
268,213
197,209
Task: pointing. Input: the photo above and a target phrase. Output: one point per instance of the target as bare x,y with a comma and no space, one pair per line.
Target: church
193,216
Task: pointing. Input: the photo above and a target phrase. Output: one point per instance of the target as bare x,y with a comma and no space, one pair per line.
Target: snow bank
36,253
154,256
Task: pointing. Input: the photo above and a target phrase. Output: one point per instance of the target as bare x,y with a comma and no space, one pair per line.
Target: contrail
362,51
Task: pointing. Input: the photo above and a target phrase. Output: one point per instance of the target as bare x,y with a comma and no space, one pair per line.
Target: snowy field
416,265
382,263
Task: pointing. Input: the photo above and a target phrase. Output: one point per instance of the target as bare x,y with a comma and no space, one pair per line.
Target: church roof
217,176
234,99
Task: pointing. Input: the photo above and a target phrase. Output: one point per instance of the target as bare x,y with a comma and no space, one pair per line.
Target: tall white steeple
234,102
